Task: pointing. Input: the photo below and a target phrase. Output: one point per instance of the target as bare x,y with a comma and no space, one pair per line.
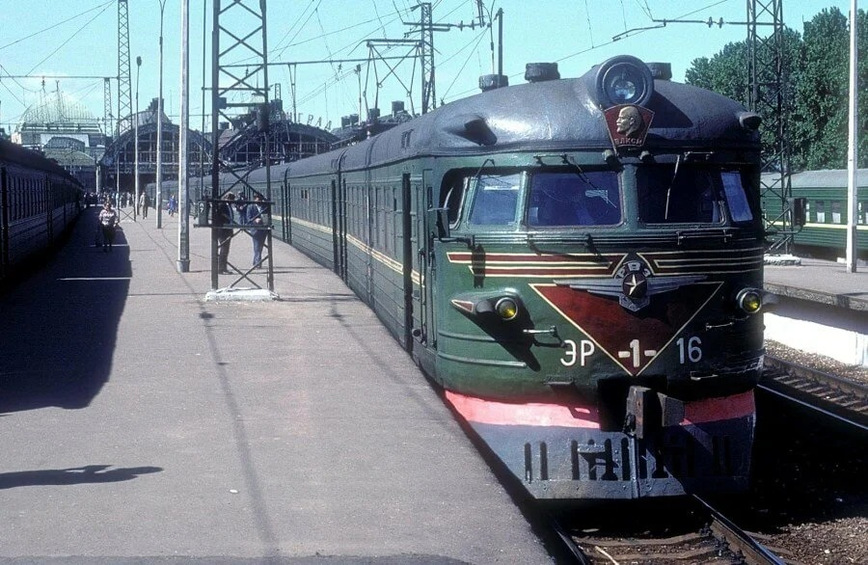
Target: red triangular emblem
631,339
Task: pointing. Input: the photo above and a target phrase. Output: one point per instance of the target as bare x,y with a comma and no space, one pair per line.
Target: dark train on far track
577,262
39,201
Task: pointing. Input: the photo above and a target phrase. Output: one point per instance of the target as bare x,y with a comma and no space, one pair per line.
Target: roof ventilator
541,72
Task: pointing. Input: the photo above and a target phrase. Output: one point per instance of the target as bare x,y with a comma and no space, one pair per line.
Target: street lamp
159,194
136,125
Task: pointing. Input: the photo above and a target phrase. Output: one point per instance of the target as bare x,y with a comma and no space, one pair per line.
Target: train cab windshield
689,193
554,198
540,199
574,199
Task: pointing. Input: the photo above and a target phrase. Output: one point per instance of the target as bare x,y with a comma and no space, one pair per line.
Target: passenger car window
574,198
495,200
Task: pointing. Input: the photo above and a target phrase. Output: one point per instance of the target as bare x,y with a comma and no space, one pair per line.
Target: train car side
39,202
824,234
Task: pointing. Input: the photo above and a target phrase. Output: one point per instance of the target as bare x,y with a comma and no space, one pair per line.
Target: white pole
183,192
159,179
136,118
853,149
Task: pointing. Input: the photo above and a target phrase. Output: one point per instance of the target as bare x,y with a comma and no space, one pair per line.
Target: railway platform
821,308
142,423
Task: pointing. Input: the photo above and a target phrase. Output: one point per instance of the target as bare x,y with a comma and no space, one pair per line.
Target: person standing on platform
173,204
108,222
144,202
223,217
257,215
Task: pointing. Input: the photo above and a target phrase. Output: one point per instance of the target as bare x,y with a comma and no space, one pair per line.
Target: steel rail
827,408
753,551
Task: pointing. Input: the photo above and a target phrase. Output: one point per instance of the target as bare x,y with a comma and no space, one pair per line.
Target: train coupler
649,411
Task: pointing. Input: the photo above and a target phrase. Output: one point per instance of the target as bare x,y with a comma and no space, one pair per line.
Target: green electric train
576,262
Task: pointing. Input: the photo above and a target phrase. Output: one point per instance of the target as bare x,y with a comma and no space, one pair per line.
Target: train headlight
750,300
497,308
624,80
506,308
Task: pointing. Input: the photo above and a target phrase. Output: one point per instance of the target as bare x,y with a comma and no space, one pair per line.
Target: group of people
228,213
253,215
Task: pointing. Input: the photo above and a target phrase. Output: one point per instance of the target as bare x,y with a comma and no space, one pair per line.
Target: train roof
549,116
19,155
829,178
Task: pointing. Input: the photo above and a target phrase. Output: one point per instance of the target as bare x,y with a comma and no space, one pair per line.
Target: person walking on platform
144,202
108,222
257,215
222,218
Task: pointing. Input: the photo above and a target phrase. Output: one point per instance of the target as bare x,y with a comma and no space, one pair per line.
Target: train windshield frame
694,193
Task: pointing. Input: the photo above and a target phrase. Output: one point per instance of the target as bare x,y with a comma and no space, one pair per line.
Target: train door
417,197
407,261
48,204
342,227
336,235
428,276
339,226
285,209
4,222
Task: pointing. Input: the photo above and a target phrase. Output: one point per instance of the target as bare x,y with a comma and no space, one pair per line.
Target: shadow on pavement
72,476
59,326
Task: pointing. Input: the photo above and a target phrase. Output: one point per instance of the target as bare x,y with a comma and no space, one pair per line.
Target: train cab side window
452,196
571,198
736,197
495,200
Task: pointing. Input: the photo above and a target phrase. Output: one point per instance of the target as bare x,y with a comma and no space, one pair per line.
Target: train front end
598,283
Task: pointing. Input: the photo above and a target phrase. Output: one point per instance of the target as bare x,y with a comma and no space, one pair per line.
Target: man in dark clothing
257,213
223,217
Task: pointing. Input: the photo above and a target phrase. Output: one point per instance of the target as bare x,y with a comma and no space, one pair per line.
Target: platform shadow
59,325
72,476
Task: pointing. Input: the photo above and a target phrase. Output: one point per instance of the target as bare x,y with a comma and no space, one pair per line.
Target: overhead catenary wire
58,24
70,38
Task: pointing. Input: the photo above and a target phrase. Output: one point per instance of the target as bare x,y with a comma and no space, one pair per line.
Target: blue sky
79,37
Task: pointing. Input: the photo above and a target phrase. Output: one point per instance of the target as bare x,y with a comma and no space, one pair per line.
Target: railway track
695,534
844,400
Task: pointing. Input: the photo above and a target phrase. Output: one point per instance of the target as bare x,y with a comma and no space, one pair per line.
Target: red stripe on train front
480,411
716,409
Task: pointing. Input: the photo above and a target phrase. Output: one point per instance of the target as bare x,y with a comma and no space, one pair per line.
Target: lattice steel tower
125,99
429,95
239,34
767,98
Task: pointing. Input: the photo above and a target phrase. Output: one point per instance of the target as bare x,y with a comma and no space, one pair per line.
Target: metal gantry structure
426,48
125,98
239,33
767,98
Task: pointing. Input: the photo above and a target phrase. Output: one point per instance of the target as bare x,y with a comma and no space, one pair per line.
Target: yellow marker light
750,300
506,308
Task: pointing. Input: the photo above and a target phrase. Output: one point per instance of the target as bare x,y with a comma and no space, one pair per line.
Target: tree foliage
815,88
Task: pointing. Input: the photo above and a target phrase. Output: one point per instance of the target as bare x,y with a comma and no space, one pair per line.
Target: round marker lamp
750,300
506,308
624,80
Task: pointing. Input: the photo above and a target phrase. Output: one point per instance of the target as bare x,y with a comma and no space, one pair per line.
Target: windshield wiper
669,190
597,192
